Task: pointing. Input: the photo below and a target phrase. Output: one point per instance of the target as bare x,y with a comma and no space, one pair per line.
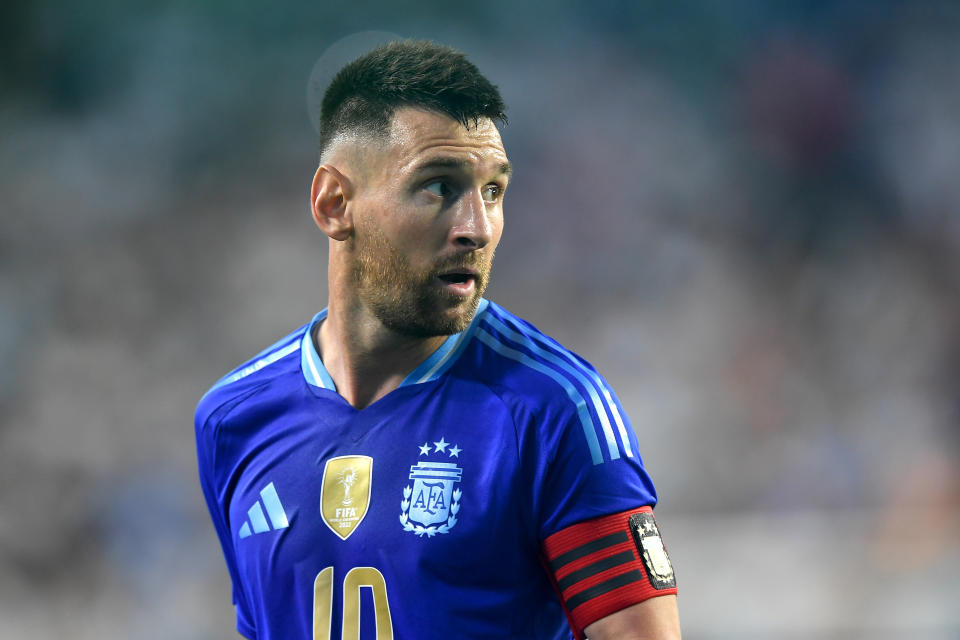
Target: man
416,462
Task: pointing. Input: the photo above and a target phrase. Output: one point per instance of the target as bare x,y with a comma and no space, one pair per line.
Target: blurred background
745,214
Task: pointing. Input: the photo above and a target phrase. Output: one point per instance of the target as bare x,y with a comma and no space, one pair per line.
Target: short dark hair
406,73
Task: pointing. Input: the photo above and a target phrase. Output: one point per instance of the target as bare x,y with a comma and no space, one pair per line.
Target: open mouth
457,278
458,283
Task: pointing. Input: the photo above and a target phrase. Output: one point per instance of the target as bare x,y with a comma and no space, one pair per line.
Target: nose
473,226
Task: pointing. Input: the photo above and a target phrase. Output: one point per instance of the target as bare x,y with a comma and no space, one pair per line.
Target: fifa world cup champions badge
432,501
345,493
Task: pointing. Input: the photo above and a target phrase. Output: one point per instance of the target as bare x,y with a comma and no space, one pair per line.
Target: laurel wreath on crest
433,529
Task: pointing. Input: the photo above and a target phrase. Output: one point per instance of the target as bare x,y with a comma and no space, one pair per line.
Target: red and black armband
607,564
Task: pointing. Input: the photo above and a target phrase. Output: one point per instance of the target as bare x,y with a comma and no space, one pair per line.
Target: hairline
359,135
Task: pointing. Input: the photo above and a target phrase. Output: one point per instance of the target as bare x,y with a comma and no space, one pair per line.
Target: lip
460,289
463,271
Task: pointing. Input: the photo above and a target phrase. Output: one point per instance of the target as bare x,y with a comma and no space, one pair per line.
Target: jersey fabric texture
424,515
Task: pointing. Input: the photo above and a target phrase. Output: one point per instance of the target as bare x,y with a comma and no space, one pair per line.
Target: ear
329,194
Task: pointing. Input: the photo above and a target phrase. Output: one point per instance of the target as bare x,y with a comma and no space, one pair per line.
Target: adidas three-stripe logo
257,521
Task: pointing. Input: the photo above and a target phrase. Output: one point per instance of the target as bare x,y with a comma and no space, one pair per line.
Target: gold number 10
355,578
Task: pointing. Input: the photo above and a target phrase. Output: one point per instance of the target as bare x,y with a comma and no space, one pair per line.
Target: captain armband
607,564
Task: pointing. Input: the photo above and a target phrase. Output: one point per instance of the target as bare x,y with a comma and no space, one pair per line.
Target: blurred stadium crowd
746,215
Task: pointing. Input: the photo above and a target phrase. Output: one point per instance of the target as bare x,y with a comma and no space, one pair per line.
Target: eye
491,193
438,188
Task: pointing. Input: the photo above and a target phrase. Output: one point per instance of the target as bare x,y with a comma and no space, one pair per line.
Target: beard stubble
410,302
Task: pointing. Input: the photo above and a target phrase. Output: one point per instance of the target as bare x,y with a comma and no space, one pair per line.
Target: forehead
416,136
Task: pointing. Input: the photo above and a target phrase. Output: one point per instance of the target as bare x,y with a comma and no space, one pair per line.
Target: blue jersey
428,513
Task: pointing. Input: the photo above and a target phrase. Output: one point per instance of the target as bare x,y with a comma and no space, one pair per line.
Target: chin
445,325
433,323
459,316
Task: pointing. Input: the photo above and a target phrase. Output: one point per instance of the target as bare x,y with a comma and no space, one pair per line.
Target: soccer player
416,462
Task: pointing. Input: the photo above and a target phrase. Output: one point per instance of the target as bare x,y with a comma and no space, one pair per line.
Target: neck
365,359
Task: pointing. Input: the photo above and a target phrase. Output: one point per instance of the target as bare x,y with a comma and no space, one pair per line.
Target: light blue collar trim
430,369
313,370
444,357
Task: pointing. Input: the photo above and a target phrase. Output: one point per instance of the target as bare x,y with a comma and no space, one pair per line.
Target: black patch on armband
650,547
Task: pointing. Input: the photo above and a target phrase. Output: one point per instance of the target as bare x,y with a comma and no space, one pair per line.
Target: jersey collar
430,369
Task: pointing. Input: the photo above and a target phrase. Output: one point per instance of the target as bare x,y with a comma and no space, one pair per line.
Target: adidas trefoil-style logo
257,521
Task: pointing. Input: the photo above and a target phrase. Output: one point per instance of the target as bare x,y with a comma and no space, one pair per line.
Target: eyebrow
504,168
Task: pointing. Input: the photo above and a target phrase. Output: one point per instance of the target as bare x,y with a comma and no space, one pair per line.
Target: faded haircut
364,94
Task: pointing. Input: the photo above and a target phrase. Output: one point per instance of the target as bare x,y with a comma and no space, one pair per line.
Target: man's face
427,218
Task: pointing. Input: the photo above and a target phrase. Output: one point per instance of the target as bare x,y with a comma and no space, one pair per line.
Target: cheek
496,229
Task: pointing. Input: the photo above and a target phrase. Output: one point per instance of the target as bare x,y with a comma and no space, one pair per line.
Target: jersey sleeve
606,564
601,544
217,504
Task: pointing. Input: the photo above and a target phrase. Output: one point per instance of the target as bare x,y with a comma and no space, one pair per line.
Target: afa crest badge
432,501
646,535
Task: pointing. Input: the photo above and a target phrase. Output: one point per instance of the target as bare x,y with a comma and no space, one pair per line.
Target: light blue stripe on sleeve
578,370
586,421
256,366
274,509
621,428
257,518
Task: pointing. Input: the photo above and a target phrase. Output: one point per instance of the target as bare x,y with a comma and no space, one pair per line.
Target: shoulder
546,381
277,361
521,357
